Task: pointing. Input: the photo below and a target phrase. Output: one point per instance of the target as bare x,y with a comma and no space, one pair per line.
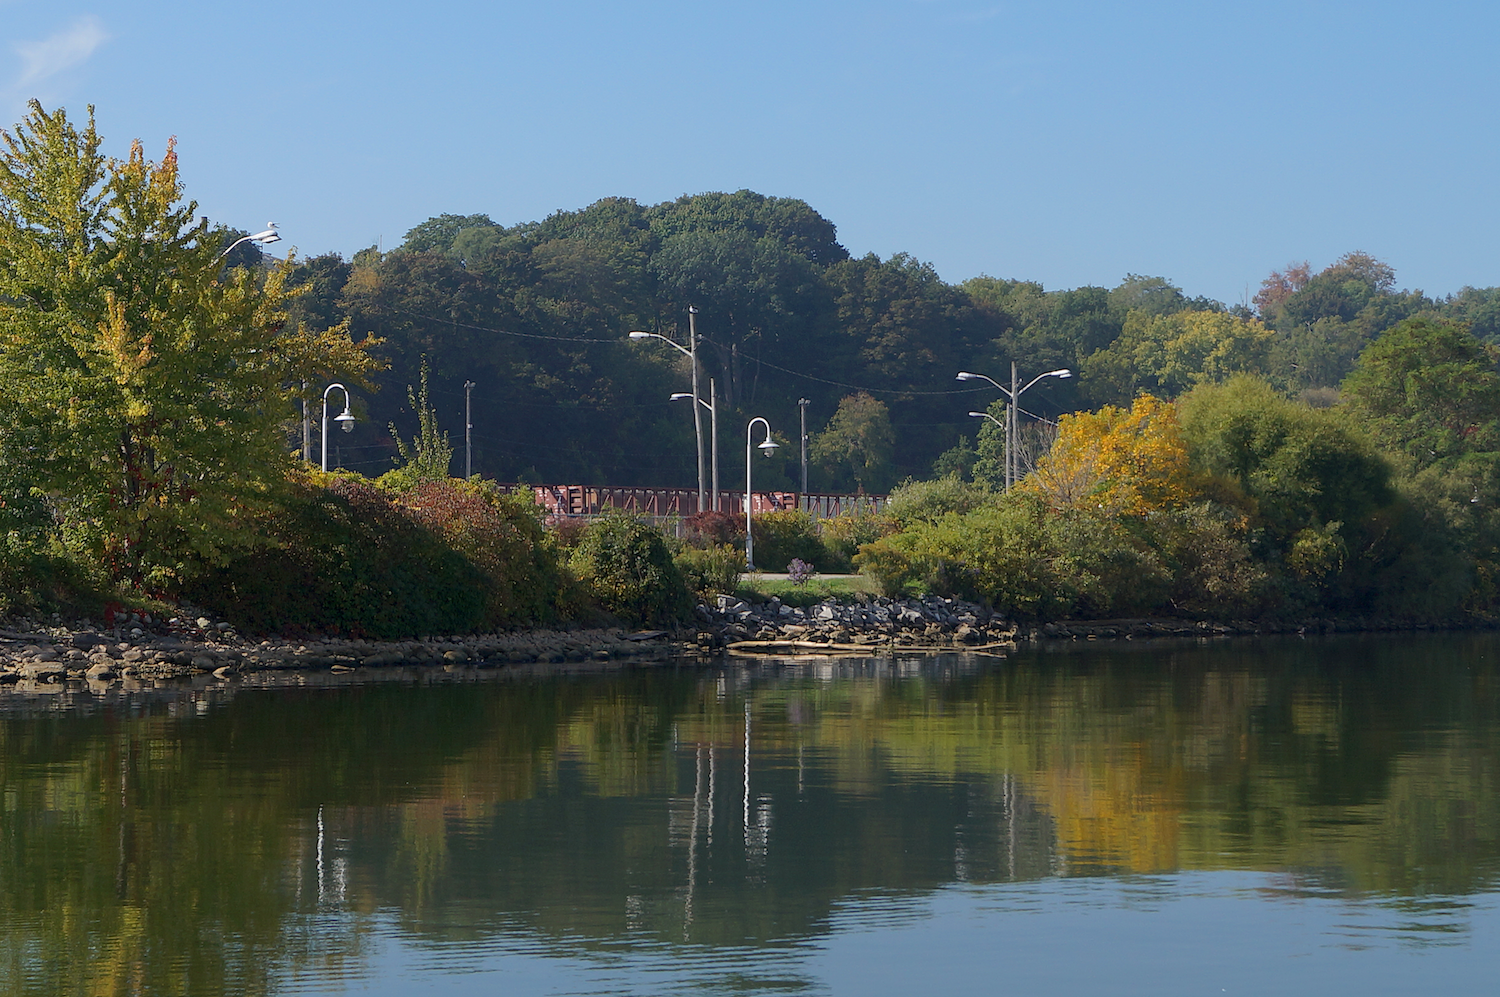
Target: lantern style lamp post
346,420
766,446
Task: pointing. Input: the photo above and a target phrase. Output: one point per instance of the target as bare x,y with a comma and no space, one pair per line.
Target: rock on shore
140,648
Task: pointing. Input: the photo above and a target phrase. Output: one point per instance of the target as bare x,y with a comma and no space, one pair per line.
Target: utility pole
1010,431
306,427
697,416
713,418
802,404
468,433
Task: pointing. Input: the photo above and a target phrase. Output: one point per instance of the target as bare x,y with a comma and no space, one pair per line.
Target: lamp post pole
691,352
697,416
802,404
713,416
1013,396
346,420
766,446
468,433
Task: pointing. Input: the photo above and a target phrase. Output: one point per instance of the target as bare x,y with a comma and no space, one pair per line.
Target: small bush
926,501
627,567
714,527
843,536
787,533
709,571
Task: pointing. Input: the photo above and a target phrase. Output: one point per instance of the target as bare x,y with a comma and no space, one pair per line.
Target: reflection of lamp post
265,238
1013,394
713,431
346,420
691,352
766,446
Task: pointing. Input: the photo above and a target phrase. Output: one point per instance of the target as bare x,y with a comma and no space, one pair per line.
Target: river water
1248,817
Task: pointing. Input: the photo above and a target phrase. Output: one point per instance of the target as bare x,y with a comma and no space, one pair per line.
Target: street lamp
713,426
1013,394
766,446
346,420
691,352
265,238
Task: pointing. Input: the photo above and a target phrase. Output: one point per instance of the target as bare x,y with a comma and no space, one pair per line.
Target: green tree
141,385
857,444
1429,389
429,455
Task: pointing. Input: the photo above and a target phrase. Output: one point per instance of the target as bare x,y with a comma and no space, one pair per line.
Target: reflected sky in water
1298,816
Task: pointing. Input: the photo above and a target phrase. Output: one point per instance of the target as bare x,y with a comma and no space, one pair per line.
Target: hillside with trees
1332,446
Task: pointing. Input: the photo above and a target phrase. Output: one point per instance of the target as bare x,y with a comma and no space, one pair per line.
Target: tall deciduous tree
857,444
1118,461
142,387
1429,389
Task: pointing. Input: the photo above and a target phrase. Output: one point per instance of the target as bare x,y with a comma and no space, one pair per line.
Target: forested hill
537,316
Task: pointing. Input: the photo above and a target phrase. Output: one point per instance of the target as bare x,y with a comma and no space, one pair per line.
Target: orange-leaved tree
1119,461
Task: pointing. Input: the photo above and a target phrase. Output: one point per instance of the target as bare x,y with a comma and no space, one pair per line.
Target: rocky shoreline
136,648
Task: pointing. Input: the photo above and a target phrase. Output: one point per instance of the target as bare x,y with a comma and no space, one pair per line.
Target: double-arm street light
713,431
691,352
766,446
1013,395
346,420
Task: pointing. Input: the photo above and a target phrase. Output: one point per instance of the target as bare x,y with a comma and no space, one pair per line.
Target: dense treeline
536,315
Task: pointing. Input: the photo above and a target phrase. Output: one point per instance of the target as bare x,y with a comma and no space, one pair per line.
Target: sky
1070,143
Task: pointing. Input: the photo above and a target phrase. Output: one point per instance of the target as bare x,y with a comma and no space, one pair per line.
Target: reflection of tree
205,851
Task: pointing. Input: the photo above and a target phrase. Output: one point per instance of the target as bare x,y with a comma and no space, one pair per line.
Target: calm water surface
1298,817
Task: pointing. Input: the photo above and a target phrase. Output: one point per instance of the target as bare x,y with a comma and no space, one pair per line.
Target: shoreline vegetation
153,370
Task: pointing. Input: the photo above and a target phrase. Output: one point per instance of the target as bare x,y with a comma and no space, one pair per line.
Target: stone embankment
930,623
140,648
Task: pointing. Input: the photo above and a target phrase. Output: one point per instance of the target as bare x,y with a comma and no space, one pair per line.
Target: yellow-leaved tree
143,383
1117,461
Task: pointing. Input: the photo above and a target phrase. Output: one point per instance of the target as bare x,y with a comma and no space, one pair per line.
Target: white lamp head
1064,372
768,446
964,375
678,396
267,237
346,421
640,335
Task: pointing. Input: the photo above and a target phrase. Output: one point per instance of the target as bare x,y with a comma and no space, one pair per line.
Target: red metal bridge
589,500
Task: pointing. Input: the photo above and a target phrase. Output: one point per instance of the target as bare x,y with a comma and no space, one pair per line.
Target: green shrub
783,534
627,567
711,570
499,533
915,501
1024,561
348,559
844,535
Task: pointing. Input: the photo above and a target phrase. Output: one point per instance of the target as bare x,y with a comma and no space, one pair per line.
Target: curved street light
265,238
691,352
766,446
713,431
1013,395
346,421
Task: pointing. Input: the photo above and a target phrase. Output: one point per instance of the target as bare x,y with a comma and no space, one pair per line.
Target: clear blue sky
1065,142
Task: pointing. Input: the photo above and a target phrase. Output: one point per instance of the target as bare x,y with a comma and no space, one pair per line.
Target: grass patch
845,588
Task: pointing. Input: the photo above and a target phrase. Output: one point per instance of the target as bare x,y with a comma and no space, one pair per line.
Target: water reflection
746,817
